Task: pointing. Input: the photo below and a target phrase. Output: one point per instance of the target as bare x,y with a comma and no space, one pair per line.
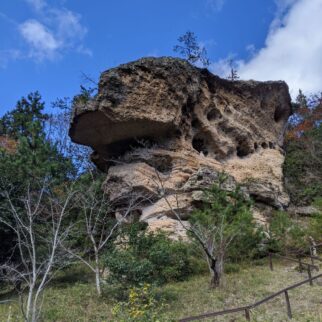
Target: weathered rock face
160,125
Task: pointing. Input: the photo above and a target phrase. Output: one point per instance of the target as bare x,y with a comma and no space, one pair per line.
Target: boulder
162,127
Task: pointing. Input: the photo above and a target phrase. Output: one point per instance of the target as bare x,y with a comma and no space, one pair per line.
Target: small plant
142,306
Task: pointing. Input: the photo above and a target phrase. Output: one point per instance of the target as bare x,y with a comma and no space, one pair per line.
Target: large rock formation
161,126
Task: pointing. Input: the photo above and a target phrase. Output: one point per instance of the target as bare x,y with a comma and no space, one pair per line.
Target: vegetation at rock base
225,219
303,162
145,257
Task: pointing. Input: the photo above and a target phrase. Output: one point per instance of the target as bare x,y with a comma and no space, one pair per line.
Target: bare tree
57,127
233,75
191,50
36,218
101,221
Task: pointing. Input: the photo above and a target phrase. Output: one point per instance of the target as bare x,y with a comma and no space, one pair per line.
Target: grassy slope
69,301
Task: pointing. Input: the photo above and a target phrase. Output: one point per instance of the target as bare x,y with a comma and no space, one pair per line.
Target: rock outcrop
162,126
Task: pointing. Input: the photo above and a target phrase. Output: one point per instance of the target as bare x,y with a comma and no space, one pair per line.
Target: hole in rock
199,177
213,115
178,133
161,163
255,146
195,123
271,145
119,148
264,145
199,145
243,149
187,108
280,113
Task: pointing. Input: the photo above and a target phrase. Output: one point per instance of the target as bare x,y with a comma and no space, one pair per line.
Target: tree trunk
97,275
217,272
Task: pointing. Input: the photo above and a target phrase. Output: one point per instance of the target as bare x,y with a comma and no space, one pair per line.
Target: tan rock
171,206
160,126
176,230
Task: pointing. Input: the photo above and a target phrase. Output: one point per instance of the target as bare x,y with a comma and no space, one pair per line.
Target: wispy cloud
215,5
41,41
8,55
53,32
37,4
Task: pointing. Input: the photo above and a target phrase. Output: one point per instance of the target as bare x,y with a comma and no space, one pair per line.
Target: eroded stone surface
161,126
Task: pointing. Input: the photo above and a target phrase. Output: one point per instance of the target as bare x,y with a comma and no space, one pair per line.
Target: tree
58,127
191,50
27,115
27,157
303,145
34,155
98,226
233,76
37,222
224,216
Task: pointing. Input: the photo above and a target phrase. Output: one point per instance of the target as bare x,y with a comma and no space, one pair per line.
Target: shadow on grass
72,275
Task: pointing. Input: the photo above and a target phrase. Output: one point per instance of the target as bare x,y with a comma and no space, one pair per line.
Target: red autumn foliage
8,144
308,115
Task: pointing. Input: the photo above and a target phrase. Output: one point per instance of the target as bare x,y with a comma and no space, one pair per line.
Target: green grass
72,297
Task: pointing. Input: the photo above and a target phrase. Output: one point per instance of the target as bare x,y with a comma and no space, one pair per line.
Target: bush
148,257
246,245
286,234
141,306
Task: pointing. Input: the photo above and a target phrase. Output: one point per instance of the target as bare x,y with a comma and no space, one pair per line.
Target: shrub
141,306
286,234
148,257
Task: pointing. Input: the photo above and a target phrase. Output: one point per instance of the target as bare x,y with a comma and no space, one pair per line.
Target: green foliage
246,245
35,157
303,161
223,226
34,161
226,219
303,167
142,306
148,257
26,119
286,234
315,224
229,209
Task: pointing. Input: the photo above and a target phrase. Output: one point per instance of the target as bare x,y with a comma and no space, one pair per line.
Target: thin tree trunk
29,302
97,274
217,271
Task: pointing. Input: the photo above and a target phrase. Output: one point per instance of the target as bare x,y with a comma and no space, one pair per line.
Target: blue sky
46,45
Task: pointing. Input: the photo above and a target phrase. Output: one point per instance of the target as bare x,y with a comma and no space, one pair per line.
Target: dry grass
252,283
68,300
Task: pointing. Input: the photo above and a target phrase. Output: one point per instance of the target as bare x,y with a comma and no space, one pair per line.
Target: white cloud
42,42
293,48
54,32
